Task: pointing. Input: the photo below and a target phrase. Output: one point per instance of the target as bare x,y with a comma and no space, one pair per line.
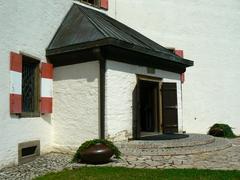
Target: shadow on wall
47,118
135,127
136,69
88,71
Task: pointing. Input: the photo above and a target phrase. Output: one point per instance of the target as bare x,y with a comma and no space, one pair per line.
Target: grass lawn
111,173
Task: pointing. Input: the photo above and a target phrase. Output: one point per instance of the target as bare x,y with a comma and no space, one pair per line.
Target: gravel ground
52,162
227,159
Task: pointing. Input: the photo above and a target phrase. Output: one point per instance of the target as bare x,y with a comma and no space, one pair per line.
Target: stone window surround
31,157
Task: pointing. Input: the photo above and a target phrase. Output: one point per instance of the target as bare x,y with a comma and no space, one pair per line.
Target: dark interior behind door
148,106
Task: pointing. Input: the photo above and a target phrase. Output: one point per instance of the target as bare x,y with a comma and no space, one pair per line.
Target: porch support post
102,97
100,55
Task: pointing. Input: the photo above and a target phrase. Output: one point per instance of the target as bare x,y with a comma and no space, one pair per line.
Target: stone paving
227,159
195,144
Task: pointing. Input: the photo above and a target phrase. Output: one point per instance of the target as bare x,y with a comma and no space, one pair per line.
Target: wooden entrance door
170,109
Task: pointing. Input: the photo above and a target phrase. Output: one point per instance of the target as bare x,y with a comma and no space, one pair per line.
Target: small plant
221,130
90,143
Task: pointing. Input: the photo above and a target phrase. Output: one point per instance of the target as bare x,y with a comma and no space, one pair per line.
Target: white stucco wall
209,33
26,26
120,82
76,102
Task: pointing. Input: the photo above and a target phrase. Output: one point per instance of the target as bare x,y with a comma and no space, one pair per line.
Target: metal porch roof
85,28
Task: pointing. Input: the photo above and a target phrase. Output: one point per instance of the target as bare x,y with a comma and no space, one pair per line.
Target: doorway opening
149,107
155,110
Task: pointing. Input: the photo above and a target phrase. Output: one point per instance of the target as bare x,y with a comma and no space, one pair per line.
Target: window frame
37,80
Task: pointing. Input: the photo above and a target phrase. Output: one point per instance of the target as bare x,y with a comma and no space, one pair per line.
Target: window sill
29,114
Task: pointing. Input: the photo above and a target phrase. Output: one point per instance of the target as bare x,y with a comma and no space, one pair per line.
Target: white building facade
208,32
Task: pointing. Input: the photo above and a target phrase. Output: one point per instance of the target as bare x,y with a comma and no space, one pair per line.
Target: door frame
137,105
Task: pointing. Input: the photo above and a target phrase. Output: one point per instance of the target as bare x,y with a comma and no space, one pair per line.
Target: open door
155,108
146,107
170,109
136,112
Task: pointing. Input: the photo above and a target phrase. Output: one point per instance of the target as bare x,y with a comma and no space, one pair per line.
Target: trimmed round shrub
221,130
218,132
88,144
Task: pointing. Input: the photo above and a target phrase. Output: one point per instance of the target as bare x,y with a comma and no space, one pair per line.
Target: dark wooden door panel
136,112
170,109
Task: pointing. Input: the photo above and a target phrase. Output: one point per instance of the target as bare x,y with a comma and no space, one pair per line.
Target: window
28,151
30,86
26,98
103,4
95,3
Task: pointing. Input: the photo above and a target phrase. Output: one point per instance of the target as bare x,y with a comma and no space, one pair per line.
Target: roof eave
119,44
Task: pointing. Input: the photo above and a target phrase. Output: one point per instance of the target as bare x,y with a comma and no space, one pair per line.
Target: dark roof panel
83,24
117,30
75,29
85,28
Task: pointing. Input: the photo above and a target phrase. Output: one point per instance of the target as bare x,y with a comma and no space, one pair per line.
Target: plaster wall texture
26,26
76,105
209,33
121,80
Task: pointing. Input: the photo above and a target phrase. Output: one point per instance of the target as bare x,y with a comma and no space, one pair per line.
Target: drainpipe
102,97
102,64
182,104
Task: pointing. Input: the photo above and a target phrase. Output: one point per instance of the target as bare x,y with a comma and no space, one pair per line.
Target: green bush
87,144
221,130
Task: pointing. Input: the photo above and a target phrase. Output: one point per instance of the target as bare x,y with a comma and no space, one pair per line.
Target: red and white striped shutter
104,4
46,88
15,83
180,53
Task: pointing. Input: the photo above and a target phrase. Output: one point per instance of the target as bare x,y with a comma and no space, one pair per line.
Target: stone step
192,140
216,145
